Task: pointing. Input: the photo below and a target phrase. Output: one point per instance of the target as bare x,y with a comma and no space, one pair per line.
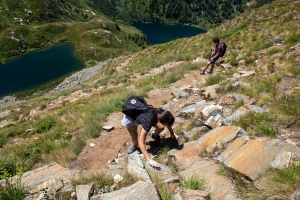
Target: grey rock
136,167
164,173
191,108
178,92
84,192
140,190
214,121
276,40
197,131
216,185
240,97
226,66
54,183
250,157
282,160
236,84
243,110
28,11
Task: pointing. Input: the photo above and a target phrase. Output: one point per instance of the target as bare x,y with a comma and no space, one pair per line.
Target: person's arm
142,146
173,135
218,53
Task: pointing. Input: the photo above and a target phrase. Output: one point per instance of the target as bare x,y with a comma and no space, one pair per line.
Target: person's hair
163,116
216,39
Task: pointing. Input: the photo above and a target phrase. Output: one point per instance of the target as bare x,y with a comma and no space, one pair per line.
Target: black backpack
223,49
134,106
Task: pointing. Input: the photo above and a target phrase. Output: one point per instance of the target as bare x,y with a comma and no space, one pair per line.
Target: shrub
44,125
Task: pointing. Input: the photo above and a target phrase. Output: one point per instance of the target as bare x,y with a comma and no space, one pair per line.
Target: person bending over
156,117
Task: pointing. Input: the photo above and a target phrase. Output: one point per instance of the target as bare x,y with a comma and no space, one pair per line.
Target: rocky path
206,149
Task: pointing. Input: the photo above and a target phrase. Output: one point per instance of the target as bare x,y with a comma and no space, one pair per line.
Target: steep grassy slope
28,25
250,43
202,13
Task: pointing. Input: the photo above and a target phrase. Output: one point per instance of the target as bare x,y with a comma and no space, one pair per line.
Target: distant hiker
137,111
216,53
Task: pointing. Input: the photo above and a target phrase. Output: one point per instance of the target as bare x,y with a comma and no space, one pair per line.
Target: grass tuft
194,182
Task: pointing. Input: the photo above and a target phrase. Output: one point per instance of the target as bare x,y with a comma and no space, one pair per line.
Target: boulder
240,97
226,66
135,166
139,190
210,92
84,192
246,73
178,93
195,132
214,121
227,100
250,157
217,185
190,109
196,194
244,110
217,138
164,173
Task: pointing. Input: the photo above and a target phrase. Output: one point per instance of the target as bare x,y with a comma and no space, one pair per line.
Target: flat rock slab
135,166
84,192
54,175
244,110
191,108
164,173
189,153
251,157
140,190
216,185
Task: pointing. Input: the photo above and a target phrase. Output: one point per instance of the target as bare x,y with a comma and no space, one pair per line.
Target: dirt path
109,144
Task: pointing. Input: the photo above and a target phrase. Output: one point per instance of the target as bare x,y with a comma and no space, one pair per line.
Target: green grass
12,191
279,183
100,180
164,192
194,182
258,124
214,79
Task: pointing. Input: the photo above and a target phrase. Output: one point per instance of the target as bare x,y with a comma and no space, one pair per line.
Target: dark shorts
212,61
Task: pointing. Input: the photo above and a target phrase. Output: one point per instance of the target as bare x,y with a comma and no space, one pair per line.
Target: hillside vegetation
29,25
265,40
205,14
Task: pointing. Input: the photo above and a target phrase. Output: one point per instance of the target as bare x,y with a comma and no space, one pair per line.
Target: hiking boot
132,148
156,138
202,72
210,72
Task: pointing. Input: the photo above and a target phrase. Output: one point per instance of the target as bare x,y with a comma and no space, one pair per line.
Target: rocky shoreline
73,80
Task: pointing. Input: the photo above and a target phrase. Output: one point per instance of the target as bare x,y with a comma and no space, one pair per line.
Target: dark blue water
38,68
162,33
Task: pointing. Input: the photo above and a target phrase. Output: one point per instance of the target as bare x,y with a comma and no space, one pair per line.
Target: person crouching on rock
156,117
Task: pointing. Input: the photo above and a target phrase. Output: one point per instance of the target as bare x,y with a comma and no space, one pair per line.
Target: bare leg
134,135
212,67
206,67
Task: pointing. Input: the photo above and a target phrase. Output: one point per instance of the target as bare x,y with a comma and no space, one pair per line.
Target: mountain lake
38,68
162,33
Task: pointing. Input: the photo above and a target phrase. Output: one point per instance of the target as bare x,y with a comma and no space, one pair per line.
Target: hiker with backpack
218,52
137,111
